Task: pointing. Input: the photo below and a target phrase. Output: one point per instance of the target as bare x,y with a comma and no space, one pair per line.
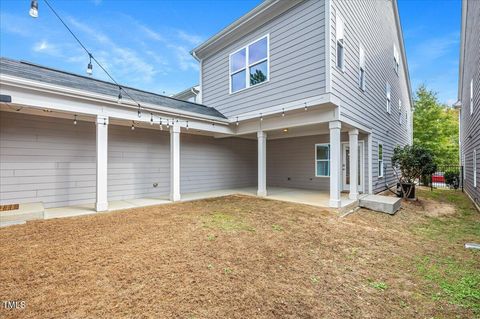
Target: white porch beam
175,162
262,163
102,163
300,118
353,145
335,163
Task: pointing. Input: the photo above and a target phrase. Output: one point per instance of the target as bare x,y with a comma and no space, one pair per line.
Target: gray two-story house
469,98
304,96
323,84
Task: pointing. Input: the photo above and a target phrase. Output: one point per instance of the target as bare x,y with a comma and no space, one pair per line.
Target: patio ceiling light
33,9
119,100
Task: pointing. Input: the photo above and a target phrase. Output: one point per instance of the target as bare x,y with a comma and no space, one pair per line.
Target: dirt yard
244,257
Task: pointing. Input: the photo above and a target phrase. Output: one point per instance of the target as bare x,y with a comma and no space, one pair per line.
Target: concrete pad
379,203
25,212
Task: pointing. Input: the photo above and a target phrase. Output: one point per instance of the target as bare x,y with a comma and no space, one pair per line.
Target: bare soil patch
229,257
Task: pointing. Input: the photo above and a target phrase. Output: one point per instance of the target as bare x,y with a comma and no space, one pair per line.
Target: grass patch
226,222
464,226
276,227
379,285
456,282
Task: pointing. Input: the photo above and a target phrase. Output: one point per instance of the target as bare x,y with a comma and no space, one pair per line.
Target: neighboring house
190,94
310,95
469,98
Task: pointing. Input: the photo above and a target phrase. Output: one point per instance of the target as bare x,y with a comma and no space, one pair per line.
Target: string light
151,118
261,117
283,112
34,13
187,125
237,120
306,108
75,119
133,126
168,124
119,100
33,9
161,126
90,66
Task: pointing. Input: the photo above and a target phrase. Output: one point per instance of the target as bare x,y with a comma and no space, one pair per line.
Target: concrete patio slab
25,212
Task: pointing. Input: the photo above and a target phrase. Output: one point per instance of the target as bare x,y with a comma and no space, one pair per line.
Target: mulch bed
229,257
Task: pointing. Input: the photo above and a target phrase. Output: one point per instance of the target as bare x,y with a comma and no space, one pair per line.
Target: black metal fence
446,176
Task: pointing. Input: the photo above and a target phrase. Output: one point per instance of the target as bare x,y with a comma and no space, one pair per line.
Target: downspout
198,96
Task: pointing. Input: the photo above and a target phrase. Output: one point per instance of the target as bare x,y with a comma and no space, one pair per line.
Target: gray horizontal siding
470,123
372,25
291,162
297,63
50,160
209,164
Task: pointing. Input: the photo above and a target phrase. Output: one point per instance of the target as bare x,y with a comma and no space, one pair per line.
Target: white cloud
190,38
44,46
183,57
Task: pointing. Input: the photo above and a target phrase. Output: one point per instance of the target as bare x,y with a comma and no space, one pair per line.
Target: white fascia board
64,103
300,118
312,102
101,98
402,49
462,48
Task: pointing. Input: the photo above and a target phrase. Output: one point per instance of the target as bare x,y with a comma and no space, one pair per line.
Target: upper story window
361,74
474,162
471,96
388,95
249,66
340,35
380,160
322,160
400,112
396,59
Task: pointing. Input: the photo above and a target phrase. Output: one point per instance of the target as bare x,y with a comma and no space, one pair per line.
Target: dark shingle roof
43,74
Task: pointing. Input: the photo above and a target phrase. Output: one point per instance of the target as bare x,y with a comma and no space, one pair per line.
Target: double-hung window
471,97
388,90
396,59
474,162
322,160
361,74
249,66
340,35
380,160
400,112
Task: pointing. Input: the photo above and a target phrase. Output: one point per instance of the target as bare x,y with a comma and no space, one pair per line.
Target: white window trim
396,59
362,67
474,164
381,171
388,93
247,65
400,117
317,160
471,96
339,21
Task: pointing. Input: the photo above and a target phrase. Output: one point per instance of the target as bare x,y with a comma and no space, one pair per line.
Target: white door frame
361,154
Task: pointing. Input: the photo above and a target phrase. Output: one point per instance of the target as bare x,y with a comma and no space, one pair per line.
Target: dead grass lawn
236,257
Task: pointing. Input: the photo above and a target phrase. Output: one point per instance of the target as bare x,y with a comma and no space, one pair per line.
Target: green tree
435,127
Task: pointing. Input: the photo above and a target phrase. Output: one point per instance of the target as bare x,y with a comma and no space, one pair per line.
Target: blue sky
146,44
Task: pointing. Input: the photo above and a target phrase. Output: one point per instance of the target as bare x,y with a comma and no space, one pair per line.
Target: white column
353,145
175,162
102,161
370,164
335,163
262,163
